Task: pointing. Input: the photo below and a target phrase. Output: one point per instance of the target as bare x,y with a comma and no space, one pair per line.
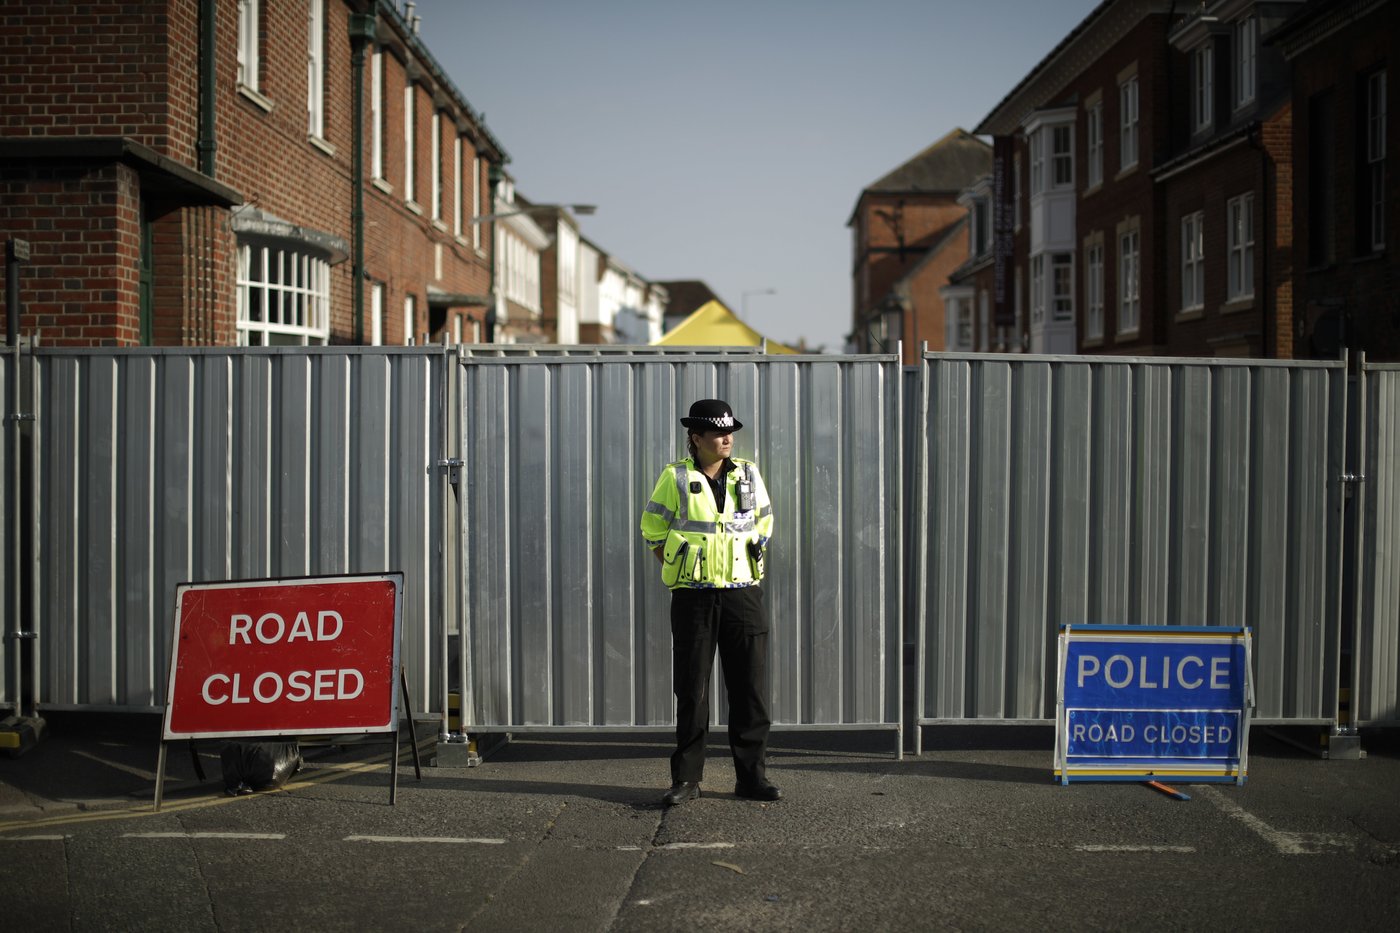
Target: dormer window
1246,48
1203,88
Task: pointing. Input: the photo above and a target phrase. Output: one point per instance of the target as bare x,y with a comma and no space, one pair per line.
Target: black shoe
680,792
760,791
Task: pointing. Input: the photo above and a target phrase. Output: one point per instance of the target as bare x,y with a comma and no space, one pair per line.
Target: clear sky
728,140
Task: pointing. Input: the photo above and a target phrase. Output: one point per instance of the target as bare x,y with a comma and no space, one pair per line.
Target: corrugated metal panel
159,467
568,619
1160,492
8,360
1376,694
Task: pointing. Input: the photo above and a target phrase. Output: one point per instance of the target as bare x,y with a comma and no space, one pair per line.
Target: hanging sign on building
1140,702
303,656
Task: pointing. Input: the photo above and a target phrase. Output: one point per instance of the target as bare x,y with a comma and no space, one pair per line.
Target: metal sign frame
1130,764
397,687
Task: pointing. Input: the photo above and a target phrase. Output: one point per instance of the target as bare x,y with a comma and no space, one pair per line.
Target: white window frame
1193,262
316,68
410,312
476,201
1202,88
1246,60
457,186
965,325
984,315
1037,144
1128,124
249,49
1017,302
1037,289
1375,154
293,289
376,114
1094,128
435,178
1061,158
1061,284
376,314
1093,292
409,143
1240,215
1016,191
1129,282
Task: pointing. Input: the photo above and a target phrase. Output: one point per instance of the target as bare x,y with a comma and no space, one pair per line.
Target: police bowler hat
711,414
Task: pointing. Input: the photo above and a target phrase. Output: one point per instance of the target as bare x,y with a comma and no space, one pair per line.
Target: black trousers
736,622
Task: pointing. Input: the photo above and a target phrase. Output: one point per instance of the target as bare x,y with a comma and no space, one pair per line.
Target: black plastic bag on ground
255,766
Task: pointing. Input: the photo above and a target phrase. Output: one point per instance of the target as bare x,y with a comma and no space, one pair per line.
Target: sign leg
394,771
198,765
412,729
160,775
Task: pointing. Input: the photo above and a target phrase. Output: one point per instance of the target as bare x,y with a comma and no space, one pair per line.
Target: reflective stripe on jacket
704,547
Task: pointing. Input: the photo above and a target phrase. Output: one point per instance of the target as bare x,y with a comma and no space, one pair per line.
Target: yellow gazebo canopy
714,325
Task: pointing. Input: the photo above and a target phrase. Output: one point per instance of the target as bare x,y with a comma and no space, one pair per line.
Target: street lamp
744,299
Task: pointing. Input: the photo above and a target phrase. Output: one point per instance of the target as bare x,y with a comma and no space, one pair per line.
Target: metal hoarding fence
567,620
159,467
1071,490
1375,694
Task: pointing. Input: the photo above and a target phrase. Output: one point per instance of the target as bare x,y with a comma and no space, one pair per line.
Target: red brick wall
131,69
80,283
85,68
1355,288
1126,194
922,221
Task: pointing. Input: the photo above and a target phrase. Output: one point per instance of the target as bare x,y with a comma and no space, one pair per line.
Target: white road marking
203,836
457,840
32,838
1132,848
138,772
1286,842
697,845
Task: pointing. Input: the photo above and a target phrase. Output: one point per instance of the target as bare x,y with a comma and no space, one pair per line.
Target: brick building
905,230
187,173
1346,193
1202,181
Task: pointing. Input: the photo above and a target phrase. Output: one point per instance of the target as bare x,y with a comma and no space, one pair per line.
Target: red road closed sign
306,656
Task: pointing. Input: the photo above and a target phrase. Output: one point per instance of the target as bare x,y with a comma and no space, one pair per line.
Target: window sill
1125,172
1093,342
1364,258
461,240
481,253
262,103
1236,305
1095,188
1123,335
413,206
1191,314
439,225
382,185
321,144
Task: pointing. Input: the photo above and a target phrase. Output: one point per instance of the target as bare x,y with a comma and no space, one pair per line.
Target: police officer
709,521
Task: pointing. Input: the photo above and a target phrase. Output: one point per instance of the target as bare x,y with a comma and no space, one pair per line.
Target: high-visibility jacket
703,546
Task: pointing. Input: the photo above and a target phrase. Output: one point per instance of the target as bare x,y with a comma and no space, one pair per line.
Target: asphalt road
566,832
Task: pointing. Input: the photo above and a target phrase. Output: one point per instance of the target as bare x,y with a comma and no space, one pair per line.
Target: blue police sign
1137,702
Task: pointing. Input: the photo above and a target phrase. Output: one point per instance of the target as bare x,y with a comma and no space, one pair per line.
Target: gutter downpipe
362,30
206,145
